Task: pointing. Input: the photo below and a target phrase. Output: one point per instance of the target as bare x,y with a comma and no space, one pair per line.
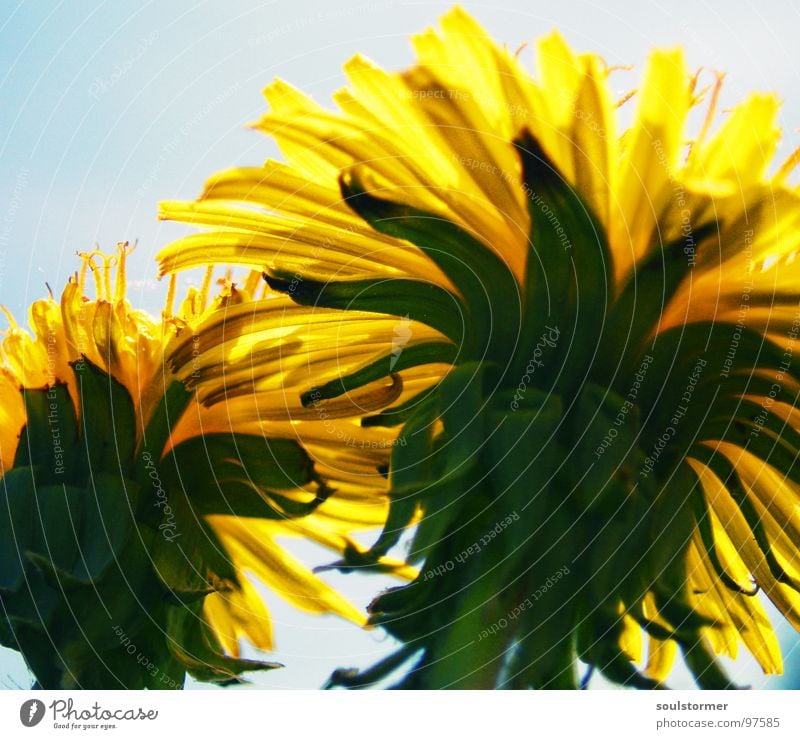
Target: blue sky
109,107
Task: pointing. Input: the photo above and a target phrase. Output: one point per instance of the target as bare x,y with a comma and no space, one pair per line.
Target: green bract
105,553
552,506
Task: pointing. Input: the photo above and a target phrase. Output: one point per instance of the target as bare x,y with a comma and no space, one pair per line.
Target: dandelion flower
601,464
142,487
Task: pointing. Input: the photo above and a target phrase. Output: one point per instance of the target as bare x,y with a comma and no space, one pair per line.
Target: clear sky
108,107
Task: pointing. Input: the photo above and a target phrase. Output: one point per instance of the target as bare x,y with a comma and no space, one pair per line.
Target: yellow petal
650,157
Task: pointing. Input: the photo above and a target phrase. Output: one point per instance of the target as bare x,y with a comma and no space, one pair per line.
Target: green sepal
491,295
356,679
702,516
108,419
598,645
747,383
33,604
696,349
411,474
672,525
463,407
605,448
704,666
108,521
413,355
194,645
413,299
569,282
49,439
167,413
398,414
729,477
17,502
241,474
187,555
57,519
742,421
637,311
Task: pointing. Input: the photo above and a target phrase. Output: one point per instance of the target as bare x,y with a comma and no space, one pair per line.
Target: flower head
142,487
604,322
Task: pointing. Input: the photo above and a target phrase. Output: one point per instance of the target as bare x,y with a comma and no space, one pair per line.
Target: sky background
109,107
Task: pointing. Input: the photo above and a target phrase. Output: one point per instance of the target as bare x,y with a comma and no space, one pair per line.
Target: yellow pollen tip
624,99
789,164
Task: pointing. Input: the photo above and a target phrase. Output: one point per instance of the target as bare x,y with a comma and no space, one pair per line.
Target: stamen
252,282
12,323
82,272
619,67
120,287
98,283
693,80
791,162
170,303
712,106
624,99
204,288
109,262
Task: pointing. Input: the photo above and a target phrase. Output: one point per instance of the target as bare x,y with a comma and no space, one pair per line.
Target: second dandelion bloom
598,367
145,485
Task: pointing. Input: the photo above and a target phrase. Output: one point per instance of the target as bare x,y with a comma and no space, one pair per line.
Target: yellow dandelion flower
142,485
605,449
